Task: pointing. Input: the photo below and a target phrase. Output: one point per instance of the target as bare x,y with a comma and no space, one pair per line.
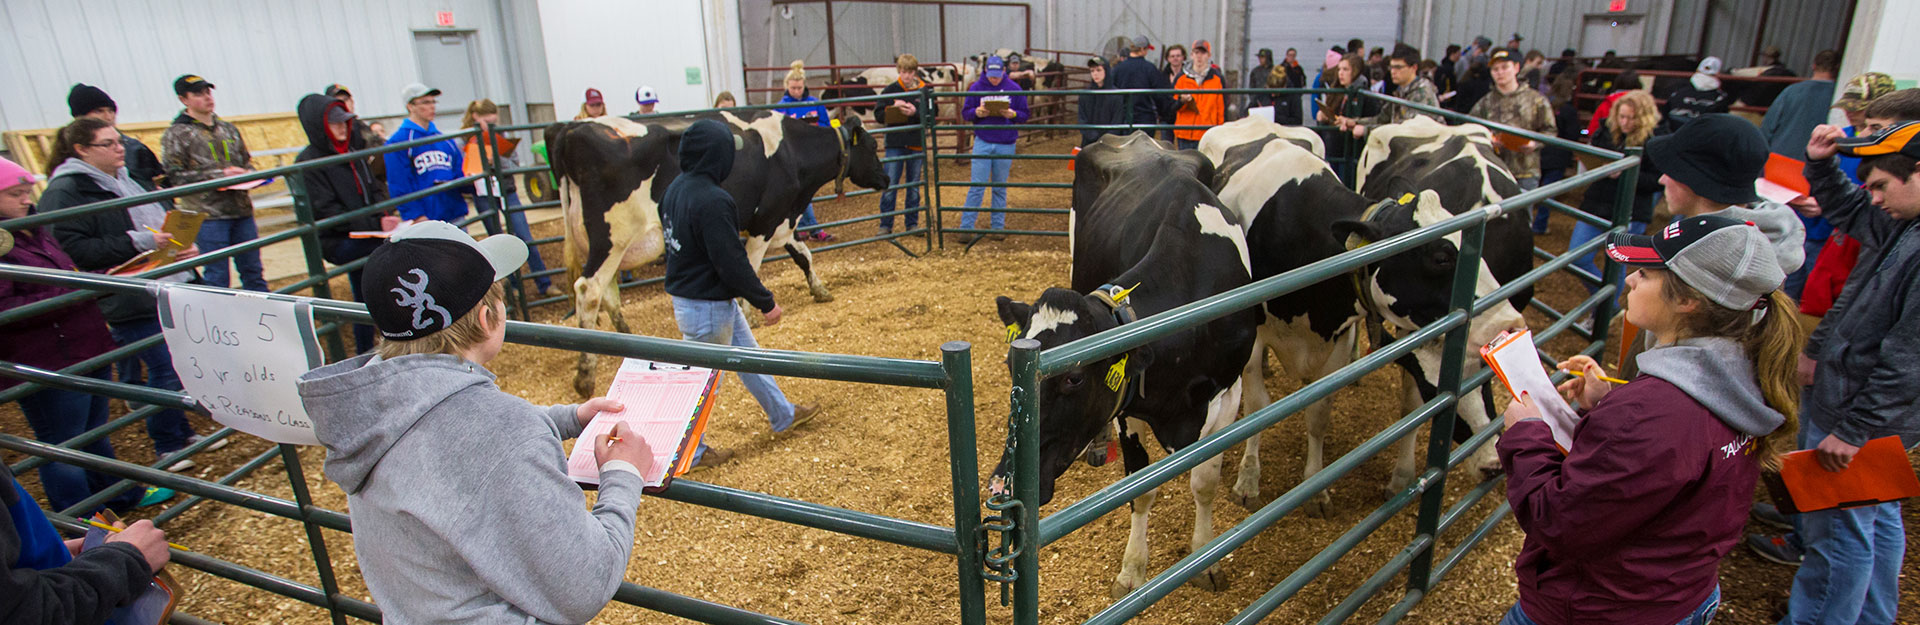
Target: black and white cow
613,171
1143,220
1297,212
1460,165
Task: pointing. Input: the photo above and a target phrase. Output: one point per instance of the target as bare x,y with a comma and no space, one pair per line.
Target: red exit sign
445,18
1616,6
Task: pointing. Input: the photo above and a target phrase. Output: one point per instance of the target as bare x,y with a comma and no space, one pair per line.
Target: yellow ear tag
835,123
1013,332
1121,296
1406,197
1117,374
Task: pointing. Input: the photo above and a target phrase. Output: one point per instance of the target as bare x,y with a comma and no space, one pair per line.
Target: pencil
1603,378
116,530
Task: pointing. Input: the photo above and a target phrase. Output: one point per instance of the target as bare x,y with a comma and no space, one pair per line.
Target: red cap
593,97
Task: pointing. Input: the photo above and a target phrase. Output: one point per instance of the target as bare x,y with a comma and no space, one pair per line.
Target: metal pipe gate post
322,562
1023,436
930,174
310,247
1466,275
956,357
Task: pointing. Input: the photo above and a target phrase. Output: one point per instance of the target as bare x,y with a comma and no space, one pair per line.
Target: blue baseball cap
996,68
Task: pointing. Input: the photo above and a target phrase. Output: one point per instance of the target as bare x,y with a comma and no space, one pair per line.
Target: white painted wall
614,47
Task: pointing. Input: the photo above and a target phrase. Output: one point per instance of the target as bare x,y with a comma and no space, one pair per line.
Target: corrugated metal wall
1314,26
1547,25
1802,28
263,55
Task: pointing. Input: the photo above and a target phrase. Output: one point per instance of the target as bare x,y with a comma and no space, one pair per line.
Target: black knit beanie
85,99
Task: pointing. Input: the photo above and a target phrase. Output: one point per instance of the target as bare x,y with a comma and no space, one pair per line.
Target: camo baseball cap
1862,90
432,273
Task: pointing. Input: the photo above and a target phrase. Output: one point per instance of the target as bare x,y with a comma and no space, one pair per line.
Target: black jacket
1139,73
1687,103
1098,108
143,165
85,590
336,189
908,140
705,259
1599,198
1566,121
97,241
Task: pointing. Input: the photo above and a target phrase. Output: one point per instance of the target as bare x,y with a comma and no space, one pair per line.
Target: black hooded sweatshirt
705,259
339,188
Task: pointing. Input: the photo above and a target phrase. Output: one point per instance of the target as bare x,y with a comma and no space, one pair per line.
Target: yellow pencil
1605,378
116,530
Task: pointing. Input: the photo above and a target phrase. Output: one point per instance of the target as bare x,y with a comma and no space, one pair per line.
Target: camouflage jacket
1421,91
195,152
1523,108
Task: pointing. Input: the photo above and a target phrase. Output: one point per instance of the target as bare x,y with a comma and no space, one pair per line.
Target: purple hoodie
1020,113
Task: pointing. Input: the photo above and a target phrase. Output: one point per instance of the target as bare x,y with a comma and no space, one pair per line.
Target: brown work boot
802,413
713,457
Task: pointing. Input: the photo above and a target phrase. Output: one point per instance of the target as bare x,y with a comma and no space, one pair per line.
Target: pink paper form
660,405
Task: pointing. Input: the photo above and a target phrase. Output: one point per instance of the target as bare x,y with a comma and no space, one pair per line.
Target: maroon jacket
57,339
1629,528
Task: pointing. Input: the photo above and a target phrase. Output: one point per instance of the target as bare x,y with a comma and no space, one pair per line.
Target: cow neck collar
1124,387
1361,273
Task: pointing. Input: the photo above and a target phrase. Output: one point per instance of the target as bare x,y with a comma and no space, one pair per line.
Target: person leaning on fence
338,189
991,143
88,166
55,340
707,268
800,96
1862,386
145,167
1136,72
1630,523
485,114
1099,108
462,508
423,166
902,144
199,146
1513,104
1199,109
1402,69
48,580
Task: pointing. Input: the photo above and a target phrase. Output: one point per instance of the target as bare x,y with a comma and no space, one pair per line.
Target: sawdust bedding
883,450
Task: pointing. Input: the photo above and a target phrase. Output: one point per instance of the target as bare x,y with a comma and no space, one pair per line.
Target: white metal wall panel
1314,26
1547,25
1802,28
263,55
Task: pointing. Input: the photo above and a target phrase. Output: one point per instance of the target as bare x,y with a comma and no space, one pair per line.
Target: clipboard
153,607
248,185
1880,473
662,401
183,225
894,116
1784,179
997,105
1516,362
1510,141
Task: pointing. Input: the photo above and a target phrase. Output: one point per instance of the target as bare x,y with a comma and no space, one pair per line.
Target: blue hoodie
1019,106
423,166
818,111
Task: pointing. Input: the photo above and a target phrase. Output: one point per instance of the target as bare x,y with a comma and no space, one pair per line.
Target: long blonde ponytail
1773,344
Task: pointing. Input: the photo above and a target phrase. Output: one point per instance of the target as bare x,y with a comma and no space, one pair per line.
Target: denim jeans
517,224
806,219
219,233
1702,615
1186,144
1584,232
722,323
57,415
1540,211
168,428
345,252
988,170
1797,281
1851,572
899,173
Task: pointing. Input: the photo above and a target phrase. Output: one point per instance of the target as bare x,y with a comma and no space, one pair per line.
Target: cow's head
1076,404
1409,290
1459,162
862,152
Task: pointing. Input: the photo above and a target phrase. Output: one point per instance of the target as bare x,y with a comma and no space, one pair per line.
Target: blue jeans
517,224
1584,232
1540,211
988,170
1797,281
168,428
219,233
899,173
1851,572
722,323
806,219
1702,615
57,415
1186,144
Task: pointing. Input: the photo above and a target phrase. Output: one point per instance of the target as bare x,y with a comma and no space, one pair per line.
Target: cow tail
556,159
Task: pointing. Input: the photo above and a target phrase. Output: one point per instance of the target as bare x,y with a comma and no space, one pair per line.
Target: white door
1622,34
447,63
617,46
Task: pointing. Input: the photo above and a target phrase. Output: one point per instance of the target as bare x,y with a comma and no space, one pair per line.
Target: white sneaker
195,439
182,466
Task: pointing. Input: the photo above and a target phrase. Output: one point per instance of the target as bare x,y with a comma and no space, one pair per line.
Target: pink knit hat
1333,58
12,175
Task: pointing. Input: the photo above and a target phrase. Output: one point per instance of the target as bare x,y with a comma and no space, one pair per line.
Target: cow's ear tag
1117,374
836,123
1406,197
1121,295
1013,332
738,143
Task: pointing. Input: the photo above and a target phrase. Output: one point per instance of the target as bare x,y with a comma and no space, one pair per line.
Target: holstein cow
1459,164
1297,212
1148,236
613,171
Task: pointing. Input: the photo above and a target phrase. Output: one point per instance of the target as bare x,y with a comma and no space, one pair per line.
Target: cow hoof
1317,506
822,295
1250,503
1211,581
583,385
1395,485
1121,587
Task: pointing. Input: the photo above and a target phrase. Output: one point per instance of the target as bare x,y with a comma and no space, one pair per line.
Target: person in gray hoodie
462,508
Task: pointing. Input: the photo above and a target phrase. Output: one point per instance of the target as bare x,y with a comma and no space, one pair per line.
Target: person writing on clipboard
462,508
1630,524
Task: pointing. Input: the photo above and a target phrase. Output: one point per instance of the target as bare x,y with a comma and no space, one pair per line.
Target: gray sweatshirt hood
1781,225
362,406
1716,372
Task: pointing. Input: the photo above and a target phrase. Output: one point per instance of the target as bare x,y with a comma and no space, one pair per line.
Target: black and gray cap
1727,260
430,274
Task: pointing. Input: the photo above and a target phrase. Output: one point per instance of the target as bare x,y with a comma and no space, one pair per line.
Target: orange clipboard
662,401
1522,367
1881,472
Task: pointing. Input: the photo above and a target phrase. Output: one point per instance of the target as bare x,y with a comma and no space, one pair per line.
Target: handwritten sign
239,354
